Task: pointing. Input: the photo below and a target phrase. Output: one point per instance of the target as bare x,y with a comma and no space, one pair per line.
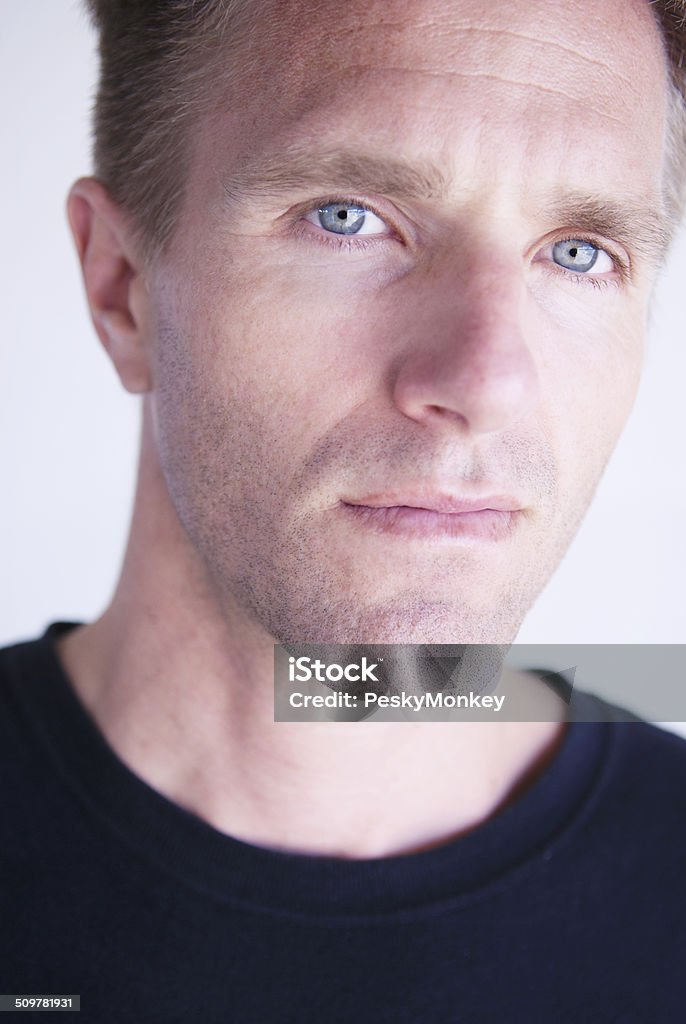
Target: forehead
576,89
529,40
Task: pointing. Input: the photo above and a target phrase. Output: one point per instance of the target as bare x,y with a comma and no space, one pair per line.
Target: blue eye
343,218
347,218
579,255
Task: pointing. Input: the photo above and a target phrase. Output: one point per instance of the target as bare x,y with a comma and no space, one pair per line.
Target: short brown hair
157,58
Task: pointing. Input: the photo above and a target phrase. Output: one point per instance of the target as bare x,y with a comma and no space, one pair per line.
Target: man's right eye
347,218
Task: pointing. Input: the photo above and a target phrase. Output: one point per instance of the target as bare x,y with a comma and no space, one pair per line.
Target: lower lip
486,524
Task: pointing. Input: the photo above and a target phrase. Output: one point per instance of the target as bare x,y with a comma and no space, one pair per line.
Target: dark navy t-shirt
566,906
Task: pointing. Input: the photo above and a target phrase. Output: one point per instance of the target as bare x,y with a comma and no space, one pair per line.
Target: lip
439,502
426,516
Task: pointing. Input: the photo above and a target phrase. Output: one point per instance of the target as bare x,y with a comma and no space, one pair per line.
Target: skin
281,376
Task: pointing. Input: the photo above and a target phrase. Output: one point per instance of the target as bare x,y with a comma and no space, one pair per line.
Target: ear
114,281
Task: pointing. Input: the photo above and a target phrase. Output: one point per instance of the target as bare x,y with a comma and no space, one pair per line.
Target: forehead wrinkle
295,166
491,77
554,44
352,70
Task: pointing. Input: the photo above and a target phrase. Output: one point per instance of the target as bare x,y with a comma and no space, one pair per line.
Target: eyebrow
641,226
297,167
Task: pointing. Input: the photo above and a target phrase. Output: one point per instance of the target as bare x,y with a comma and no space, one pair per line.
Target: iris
343,218
575,254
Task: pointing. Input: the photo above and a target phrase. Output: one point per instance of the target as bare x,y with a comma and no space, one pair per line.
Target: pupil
342,214
573,252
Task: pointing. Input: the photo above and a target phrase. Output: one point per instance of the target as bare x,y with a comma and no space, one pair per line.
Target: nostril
445,412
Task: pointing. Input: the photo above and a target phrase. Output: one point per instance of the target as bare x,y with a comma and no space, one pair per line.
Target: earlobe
113,279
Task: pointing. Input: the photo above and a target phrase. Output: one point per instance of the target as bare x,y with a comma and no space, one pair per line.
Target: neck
181,686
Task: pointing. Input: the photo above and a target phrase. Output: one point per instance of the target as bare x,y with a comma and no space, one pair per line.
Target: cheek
301,355
589,363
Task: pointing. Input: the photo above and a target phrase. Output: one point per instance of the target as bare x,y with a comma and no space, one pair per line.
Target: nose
468,366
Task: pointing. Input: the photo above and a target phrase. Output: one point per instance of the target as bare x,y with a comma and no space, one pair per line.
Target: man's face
478,339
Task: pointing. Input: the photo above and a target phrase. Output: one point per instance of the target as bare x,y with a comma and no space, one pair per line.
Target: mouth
491,517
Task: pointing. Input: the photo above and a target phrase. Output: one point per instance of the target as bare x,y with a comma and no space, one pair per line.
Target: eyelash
352,243
343,242
621,265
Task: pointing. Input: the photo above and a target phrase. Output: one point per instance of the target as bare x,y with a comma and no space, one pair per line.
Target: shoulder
637,802
22,661
640,754
650,756
640,804
644,754
30,676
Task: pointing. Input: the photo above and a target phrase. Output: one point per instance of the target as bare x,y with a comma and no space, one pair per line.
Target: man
381,273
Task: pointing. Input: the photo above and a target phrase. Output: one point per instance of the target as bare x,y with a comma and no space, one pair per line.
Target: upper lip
435,501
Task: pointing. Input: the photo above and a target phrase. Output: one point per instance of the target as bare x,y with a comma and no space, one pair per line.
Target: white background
69,432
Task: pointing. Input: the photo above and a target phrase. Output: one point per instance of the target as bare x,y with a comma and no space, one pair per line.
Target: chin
406,622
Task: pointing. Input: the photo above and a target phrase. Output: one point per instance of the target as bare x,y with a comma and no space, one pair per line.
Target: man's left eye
347,219
580,256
